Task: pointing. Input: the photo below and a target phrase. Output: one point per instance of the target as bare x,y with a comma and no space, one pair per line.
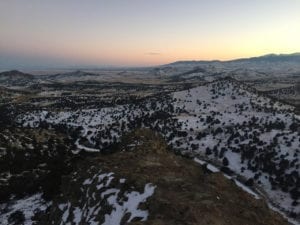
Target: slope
225,122
143,181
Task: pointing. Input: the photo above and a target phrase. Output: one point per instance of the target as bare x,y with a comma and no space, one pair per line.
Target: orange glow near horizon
140,33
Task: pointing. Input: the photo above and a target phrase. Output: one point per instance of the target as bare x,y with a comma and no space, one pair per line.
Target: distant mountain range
249,68
261,67
18,78
295,57
15,78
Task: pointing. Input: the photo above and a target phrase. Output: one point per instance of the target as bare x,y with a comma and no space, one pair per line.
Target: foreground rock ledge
184,193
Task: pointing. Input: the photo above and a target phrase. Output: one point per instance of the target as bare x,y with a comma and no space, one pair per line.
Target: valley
235,126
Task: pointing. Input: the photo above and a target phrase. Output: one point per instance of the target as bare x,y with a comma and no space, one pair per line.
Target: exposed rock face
144,181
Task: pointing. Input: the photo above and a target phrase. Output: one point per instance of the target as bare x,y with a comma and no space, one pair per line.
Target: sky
57,33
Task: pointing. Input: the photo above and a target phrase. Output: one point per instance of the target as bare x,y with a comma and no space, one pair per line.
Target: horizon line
98,67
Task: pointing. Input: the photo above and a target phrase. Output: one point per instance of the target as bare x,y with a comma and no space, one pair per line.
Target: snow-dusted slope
224,122
96,129
254,137
10,212
100,198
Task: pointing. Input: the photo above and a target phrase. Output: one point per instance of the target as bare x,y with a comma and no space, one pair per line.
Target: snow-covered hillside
252,136
98,194
223,122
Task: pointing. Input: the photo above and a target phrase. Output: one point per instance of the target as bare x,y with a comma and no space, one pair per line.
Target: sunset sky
55,33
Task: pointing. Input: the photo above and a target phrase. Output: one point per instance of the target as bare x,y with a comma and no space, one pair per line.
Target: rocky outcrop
145,181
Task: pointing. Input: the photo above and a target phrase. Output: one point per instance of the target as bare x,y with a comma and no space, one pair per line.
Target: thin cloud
153,53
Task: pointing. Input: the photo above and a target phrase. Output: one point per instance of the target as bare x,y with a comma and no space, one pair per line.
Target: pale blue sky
128,32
